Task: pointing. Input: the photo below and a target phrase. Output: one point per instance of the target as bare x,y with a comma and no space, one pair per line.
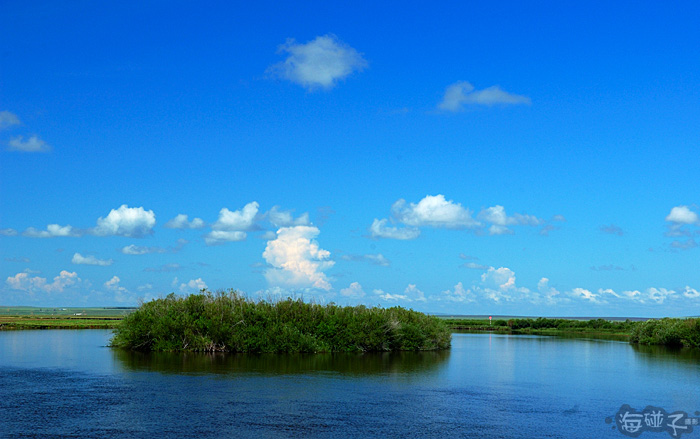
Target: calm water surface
68,384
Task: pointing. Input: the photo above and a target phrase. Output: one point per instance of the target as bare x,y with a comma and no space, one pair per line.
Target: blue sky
482,158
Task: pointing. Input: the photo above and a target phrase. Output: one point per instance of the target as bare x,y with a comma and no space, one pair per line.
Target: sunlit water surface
68,384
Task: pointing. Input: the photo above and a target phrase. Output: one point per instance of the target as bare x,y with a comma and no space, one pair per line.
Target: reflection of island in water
281,364
666,353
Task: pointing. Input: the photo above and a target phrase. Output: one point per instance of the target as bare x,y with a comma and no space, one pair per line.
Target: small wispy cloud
612,229
8,119
181,221
374,259
90,260
463,93
32,144
52,231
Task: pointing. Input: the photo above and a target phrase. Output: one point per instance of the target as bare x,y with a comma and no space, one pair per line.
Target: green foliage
227,321
541,324
669,332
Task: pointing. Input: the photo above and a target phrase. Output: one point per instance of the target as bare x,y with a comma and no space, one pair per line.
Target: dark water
67,384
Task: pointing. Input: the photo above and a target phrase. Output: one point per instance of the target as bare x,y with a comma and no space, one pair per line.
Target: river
67,383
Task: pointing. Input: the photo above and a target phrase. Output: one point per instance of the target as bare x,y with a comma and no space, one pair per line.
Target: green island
227,321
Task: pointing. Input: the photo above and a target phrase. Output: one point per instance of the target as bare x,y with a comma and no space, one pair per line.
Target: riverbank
59,322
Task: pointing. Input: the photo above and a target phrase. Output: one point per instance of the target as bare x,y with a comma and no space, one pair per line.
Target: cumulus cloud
32,144
549,294
231,225
90,260
433,211
52,231
379,229
284,218
459,294
194,285
463,93
500,221
353,291
374,259
437,211
8,232
120,293
682,215
410,294
584,294
296,260
181,221
8,119
24,282
320,63
132,222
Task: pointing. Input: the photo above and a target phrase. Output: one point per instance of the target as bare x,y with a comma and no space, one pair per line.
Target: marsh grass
668,332
230,322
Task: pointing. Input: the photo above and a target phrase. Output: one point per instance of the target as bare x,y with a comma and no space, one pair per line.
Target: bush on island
229,322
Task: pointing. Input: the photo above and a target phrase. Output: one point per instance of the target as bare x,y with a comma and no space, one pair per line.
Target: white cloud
90,260
391,297
354,291
475,266
499,220
502,279
320,63
548,293
52,231
414,294
8,119
296,259
284,218
140,250
239,220
379,229
33,144
8,232
133,222
691,293
374,259
410,294
433,211
459,294
682,215
194,285
584,294
217,237
121,294
436,211
23,282
181,222
462,93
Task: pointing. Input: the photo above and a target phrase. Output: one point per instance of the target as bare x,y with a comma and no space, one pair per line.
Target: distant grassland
26,317
669,332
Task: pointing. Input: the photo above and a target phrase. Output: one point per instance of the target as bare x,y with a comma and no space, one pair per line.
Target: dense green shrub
227,321
669,332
